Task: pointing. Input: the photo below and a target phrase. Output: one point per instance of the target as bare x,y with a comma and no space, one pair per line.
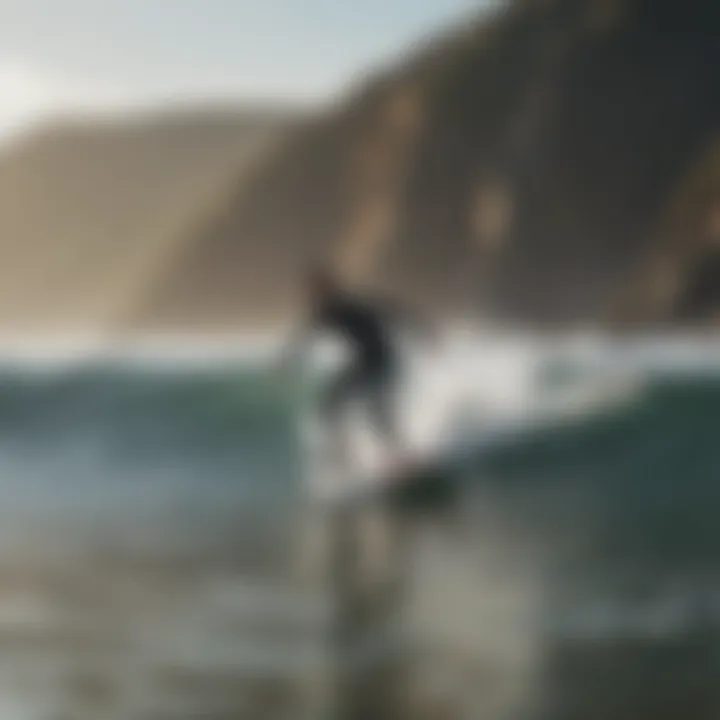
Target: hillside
92,213
550,164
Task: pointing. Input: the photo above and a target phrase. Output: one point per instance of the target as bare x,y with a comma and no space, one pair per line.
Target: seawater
150,516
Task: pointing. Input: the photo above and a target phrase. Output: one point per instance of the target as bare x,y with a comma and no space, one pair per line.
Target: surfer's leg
382,406
338,395
334,405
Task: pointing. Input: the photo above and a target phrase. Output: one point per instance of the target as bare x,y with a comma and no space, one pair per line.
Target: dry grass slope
93,214
522,168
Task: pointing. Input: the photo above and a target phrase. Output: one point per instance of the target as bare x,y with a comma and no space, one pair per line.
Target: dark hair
322,276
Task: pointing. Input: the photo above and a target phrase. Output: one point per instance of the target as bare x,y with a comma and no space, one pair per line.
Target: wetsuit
371,375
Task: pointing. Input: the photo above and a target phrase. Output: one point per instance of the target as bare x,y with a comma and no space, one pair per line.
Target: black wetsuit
371,374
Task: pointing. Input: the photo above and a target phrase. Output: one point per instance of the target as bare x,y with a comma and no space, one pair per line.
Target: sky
69,56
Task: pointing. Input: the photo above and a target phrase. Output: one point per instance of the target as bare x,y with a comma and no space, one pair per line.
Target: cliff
535,167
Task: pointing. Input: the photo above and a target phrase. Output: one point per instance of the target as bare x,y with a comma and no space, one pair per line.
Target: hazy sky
71,55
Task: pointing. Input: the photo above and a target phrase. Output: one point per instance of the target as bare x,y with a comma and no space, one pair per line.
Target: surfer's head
322,284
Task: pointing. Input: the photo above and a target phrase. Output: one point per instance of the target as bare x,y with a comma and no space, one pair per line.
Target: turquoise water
123,444
167,501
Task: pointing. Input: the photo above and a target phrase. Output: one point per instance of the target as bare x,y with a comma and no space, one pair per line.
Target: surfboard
433,473
427,477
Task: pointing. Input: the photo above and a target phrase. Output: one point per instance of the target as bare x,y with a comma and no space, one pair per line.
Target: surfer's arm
294,351
297,347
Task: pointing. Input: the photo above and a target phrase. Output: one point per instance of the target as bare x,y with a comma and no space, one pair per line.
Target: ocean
153,516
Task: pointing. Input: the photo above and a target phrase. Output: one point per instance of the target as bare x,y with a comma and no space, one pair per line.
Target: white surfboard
444,456
370,475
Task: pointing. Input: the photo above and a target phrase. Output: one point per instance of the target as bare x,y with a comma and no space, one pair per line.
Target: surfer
371,378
